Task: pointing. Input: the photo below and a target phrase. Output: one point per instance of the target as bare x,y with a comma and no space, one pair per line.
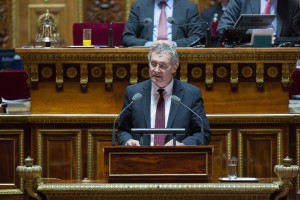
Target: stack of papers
17,106
294,104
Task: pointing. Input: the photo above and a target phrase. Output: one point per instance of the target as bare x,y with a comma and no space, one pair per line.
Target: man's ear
175,68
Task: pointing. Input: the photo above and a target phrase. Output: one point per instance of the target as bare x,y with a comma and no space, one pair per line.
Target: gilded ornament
121,72
145,72
46,72
72,72
272,72
96,72
196,72
221,72
247,72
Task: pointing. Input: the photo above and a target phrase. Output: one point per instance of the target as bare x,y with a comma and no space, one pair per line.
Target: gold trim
108,75
259,74
183,72
234,74
84,75
133,73
209,75
59,75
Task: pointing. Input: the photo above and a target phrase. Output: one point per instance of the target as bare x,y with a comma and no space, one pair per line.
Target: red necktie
268,7
163,25
159,139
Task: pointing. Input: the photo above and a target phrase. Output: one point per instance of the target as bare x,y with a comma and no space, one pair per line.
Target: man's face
161,69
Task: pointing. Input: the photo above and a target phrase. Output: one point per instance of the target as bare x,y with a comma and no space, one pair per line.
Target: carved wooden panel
12,155
97,138
259,151
59,153
6,37
221,140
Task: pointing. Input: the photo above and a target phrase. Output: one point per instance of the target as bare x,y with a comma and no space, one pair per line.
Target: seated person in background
184,12
156,100
286,23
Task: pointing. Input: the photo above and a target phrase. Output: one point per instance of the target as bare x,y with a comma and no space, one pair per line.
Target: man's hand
170,143
132,142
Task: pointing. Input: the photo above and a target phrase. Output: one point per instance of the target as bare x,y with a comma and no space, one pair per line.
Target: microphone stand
110,36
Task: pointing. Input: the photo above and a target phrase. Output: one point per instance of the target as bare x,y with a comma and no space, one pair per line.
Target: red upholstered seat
100,33
13,85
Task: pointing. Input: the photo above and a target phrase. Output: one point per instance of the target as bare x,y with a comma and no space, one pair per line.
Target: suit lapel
281,7
149,11
177,90
146,102
176,7
254,6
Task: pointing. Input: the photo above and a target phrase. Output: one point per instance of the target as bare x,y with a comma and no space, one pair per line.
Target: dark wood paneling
60,153
261,150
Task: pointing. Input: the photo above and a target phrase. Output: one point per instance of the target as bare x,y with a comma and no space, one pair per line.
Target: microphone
135,97
146,21
177,100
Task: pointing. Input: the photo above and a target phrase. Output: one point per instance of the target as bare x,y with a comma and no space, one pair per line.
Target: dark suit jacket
288,15
184,11
138,114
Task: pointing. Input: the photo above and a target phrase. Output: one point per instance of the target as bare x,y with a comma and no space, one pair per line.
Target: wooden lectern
158,164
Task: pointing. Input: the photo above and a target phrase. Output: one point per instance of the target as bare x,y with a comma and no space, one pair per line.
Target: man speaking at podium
156,109
184,30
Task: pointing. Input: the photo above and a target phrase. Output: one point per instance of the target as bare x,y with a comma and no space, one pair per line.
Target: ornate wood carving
106,11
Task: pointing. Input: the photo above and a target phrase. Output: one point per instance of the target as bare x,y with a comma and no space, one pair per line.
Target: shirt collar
168,89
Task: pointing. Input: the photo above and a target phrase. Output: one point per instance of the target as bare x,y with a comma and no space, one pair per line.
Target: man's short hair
165,48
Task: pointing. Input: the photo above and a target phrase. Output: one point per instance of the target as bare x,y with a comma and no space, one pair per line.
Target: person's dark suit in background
287,19
141,34
163,63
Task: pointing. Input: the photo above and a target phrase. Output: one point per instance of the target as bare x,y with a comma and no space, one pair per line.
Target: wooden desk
232,80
